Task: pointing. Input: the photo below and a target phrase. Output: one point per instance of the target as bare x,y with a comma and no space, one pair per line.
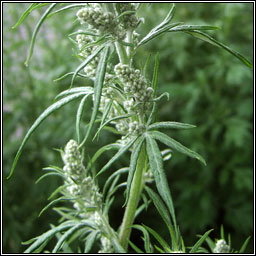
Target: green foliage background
208,88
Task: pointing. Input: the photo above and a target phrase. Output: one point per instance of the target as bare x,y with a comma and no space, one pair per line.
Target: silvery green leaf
48,235
200,241
31,48
39,120
62,239
133,163
109,121
159,205
98,84
31,8
67,8
84,32
186,28
85,63
173,144
48,174
209,39
156,165
147,244
155,33
161,96
173,125
243,247
79,114
90,239
117,155
85,90
69,74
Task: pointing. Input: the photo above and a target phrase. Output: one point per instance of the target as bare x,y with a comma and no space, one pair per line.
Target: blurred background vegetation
207,86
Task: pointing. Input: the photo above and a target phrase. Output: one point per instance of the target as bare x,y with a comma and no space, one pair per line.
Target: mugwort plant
125,102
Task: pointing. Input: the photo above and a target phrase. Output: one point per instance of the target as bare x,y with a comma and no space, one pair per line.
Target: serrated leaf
117,155
31,8
67,8
173,144
85,63
243,247
79,114
173,125
147,245
200,241
85,90
133,163
38,121
31,48
62,239
156,165
99,81
209,39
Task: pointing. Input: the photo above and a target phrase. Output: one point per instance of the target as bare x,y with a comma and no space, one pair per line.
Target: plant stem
120,49
134,197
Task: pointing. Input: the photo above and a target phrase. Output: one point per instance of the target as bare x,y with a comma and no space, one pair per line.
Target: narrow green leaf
145,68
155,75
85,90
209,39
109,121
106,112
90,239
175,145
159,206
48,235
161,241
27,12
133,164
62,239
79,114
243,247
57,190
48,174
101,151
84,63
117,155
222,232
167,125
67,8
200,241
99,81
36,32
147,245
153,34
38,121
186,28
86,32
69,74
135,248
156,165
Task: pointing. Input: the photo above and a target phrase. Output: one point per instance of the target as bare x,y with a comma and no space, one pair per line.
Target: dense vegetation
207,86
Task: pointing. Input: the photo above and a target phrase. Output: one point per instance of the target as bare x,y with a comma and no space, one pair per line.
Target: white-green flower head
221,247
129,20
106,245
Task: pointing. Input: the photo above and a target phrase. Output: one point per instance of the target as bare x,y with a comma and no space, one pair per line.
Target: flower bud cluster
221,247
148,176
134,82
130,21
106,246
136,128
104,22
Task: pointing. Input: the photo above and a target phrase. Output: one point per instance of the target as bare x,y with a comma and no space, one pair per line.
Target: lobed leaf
175,145
156,165
38,121
173,125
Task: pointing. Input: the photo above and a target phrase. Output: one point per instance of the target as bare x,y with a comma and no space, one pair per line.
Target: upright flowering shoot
124,102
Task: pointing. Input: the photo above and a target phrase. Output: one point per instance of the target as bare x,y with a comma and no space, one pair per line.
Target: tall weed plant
125,101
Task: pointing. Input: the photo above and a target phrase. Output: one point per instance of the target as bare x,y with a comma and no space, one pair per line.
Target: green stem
120,49
134,197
